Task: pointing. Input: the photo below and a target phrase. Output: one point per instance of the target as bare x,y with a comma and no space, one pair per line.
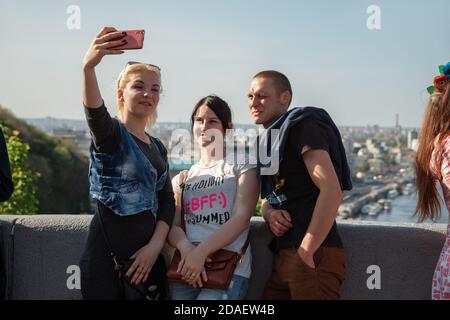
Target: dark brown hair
218,106
436,123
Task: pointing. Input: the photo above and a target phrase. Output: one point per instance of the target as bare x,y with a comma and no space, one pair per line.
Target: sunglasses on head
130,63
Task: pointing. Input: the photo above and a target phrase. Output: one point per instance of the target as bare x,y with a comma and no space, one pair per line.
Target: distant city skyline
78,123
360,76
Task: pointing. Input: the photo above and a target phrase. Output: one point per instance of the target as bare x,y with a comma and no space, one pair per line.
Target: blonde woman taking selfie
129,180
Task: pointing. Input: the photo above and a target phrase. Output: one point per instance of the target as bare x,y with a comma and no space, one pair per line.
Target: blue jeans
237,291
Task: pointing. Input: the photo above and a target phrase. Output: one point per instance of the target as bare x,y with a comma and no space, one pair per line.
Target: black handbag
155,288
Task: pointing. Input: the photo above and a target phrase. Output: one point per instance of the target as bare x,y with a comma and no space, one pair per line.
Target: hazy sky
333,60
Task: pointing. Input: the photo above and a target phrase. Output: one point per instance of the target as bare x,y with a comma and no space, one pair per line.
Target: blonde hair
124,78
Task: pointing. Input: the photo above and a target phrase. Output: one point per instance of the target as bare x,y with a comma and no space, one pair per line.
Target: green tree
258,208
63,187
23,200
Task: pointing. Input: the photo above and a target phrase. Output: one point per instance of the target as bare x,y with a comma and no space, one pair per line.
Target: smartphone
135,40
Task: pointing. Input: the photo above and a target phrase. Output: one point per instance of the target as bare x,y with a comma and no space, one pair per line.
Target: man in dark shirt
6,184
309,260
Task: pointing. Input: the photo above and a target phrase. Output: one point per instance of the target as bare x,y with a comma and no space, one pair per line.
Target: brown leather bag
219,270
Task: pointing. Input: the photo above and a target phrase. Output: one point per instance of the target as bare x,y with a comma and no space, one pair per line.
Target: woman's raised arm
102,45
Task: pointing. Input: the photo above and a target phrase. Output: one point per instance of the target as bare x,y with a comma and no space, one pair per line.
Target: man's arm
322,173
279,221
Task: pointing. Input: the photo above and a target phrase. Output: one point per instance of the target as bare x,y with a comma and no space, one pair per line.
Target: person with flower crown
432,165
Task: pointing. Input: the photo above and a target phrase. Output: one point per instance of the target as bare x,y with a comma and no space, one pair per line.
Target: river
402,211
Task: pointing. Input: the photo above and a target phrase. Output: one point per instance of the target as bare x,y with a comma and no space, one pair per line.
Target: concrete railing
40,256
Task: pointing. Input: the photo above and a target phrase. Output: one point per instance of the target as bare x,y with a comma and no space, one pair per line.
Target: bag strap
182,213
183,224
244,248
117,265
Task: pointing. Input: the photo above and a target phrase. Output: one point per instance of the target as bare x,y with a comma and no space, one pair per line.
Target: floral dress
441,277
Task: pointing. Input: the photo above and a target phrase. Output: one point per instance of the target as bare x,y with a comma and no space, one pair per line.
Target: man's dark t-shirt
298,187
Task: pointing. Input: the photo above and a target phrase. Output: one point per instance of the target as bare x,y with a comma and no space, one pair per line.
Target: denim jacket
126,181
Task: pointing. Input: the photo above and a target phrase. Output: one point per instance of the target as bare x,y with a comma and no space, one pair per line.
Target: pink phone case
135,40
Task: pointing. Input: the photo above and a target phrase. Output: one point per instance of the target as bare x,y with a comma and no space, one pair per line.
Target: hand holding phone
134,40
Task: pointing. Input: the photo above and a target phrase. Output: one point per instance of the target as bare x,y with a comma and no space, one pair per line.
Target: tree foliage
24,199
63,186
258,208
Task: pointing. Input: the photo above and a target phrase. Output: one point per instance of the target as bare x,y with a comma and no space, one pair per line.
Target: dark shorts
292,279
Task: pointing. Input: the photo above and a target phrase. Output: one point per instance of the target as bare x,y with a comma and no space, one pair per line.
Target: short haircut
280,81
